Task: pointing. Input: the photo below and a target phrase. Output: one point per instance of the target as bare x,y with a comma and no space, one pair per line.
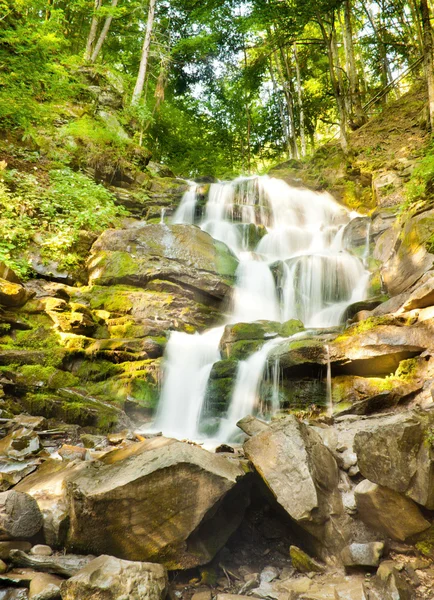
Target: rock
13,294
68,452
202,596
182,254
13,471
94,442
48,487
393,453
41,550
268,574
252,426
8,274
45,587
389,584
303,476
410,258
30,422
303,563
114,579
362,555
186,499
20,444
65,565
388,512
20,516
387,188
3,567
14,594
6,547
421,297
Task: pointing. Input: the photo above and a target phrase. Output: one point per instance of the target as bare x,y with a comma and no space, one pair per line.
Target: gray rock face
394,454
302,474
20,516
182,254
113,579
172,503
362,555
388,512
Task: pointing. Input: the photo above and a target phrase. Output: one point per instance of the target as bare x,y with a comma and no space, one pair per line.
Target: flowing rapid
292,265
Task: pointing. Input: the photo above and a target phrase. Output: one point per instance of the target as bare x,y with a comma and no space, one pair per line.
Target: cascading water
292,264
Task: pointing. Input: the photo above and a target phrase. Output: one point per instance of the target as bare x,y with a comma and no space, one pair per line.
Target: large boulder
109,578
164,501
182,254
12,294
409,258
388,512
303,475
396,452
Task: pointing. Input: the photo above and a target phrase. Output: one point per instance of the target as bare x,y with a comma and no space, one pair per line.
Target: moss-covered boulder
242,339
182,254
12,294
220,387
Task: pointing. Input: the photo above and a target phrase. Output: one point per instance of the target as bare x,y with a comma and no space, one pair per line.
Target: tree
428,57
140,81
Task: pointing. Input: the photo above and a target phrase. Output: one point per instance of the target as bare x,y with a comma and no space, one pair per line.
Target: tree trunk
103,35
300,102
140,82
285,130
93,28
428,57
335,85
358,115
416,23
289,103
386,73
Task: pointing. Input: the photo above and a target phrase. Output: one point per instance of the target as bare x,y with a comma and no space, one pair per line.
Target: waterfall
299,269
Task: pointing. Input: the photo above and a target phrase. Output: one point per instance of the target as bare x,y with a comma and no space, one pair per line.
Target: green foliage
71,202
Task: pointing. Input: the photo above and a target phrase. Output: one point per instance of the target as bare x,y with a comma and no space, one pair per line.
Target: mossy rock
50,378
223,369
291,327
82,411
303,563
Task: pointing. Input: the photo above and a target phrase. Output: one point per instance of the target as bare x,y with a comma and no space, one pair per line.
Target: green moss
425,542
224,368
95,371
364,326
45,376
407,369
244,348
291,327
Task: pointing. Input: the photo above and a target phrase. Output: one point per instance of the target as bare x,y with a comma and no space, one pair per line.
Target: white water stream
299,269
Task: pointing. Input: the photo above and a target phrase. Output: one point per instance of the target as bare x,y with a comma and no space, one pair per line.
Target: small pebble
41,550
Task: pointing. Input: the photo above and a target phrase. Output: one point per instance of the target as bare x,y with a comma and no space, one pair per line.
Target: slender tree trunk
339,72
93,28
103,34
248,116
428,57
140,82
335,85
300,102
48,10
281,110
416,23
386,73
289,101
359,117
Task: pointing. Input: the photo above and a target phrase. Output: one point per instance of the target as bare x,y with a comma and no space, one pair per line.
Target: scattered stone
41,550
252,425
6,547
187,500
113,579
20,516
202,596
268,574
21,443
13,471
12,294
30,422
66,565
73,452
8,274
48,487
3,567
45,587
95,442
362,555
118,438
21,577
389,583
14,594
224,448
388,511
302,562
